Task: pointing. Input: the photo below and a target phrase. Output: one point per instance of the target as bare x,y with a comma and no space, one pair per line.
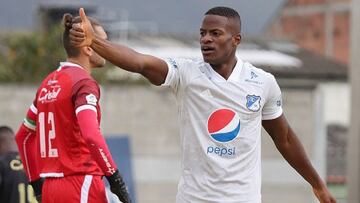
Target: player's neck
225,69
83,63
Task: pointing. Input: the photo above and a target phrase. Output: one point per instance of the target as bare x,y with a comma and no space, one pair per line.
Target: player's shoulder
68,74
253,72
80,79
76,73
184,62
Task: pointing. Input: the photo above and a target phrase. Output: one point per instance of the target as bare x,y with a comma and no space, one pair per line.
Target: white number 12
53,152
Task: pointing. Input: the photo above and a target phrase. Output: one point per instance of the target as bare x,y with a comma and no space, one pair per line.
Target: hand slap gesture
82,34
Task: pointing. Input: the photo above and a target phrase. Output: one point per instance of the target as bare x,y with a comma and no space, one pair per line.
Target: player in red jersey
60,139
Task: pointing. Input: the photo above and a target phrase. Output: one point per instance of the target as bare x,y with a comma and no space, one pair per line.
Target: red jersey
63,149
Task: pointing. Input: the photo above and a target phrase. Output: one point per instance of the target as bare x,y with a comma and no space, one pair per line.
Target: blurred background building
325,26
304,43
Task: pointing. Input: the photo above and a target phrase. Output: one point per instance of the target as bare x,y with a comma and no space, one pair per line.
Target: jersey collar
234,76
67,64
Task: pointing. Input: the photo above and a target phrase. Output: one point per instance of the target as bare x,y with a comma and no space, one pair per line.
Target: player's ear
237,39
87,50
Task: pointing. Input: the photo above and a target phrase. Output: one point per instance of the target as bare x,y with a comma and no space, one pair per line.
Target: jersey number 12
49,134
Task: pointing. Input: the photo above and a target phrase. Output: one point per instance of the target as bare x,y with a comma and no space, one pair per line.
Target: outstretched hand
82,34
324,196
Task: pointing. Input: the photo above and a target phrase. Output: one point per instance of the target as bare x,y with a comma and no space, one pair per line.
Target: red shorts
74,189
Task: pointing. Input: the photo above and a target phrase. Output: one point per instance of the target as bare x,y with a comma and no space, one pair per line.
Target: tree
29,57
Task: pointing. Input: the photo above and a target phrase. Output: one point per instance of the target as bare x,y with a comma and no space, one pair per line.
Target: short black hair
6,129
225,12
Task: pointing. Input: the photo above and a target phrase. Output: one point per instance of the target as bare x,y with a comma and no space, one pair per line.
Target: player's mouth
207,50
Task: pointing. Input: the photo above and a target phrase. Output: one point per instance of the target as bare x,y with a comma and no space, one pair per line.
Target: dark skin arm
153,68
292,150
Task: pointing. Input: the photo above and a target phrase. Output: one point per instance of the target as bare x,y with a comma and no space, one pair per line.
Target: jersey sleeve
178,74
86,95
91,133
273,104
86,104
26,142
31,116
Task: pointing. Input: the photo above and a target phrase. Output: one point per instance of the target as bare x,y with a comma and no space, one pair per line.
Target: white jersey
220,129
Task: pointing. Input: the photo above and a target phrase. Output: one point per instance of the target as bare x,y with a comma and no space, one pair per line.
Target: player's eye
216,34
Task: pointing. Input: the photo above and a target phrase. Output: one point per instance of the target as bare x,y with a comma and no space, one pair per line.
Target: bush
28,58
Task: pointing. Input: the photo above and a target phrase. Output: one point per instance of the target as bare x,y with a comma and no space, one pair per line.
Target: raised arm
292,150
153,68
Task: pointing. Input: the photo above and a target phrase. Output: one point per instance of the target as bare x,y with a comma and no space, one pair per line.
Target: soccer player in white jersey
223,103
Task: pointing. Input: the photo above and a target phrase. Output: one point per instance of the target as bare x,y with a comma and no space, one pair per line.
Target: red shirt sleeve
91,132
86,92
86,102
26,141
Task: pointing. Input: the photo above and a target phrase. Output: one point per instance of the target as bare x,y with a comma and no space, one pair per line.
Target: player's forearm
91,133
294,153
119,55
26,141
101,154
151,67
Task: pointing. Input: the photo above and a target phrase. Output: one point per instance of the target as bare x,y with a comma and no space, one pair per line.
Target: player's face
217,39
95,59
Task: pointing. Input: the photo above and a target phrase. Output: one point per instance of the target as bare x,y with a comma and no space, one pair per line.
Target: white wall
336,102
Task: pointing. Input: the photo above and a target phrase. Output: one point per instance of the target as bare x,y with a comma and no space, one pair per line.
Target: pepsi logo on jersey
223,127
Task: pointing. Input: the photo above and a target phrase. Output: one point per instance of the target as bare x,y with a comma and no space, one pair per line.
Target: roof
313,66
